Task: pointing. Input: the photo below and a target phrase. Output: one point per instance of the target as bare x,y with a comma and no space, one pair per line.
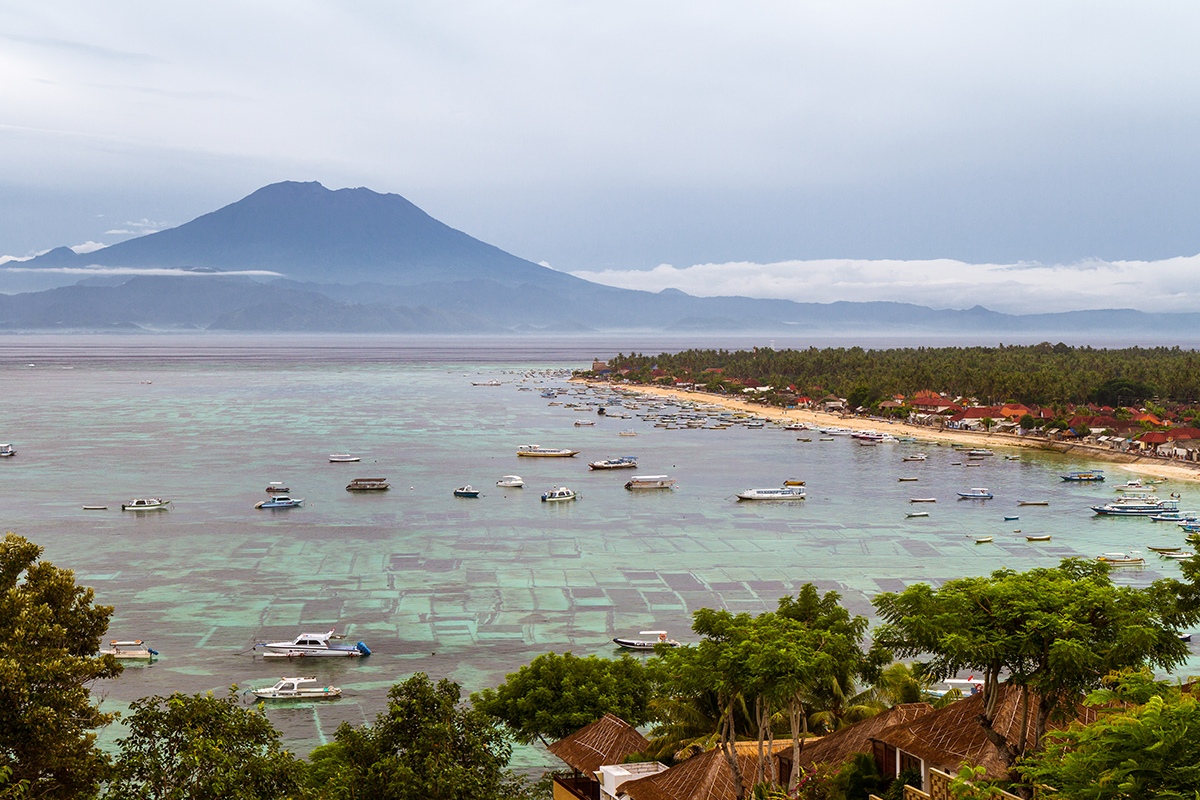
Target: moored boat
1039,538
649,482
145,504
1084,476
277,487
624,462
466,491
535,451
558,494
367,485
916,457
1136,506
922,500
311,645
783,493
645,644
1122,559
297,689
979,452
510,481
134,649
7,450
343,458
977,493
280,501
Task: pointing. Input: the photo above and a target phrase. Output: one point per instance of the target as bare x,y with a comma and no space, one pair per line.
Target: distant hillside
357,260
310,233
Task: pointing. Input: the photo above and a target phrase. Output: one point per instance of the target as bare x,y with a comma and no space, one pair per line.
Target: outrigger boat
308,645
625,462
646,644
297,689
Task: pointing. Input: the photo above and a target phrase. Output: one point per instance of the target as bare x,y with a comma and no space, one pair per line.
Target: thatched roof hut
608,740
703,777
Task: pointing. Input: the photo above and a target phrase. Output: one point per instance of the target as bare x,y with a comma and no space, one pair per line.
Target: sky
1024,156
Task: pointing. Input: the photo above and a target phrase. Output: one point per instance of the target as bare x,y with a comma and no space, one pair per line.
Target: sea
467,589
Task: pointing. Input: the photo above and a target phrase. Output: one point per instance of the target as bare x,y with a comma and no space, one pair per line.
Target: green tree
425,745
1143,745
554,696
194,747
50,634
1055,631
1028,422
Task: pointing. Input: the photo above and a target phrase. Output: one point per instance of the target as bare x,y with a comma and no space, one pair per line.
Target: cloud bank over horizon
1166,285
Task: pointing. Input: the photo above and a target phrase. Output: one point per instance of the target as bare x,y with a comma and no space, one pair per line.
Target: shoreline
1141,465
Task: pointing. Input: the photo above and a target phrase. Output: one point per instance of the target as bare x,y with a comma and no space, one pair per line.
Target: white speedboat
510,482
624,462
133,649
558,494
650,482
784,493
1134,487
297,689
534,451
308,645
645,644
978,493
915,457
280,501
584,423
145,504
343,458
7,450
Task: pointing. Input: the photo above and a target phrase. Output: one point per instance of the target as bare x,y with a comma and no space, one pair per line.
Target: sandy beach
1141,465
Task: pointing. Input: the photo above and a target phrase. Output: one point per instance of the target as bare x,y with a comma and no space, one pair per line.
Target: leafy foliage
1148,750
50,634
554,696
196,747
425,745
1055,631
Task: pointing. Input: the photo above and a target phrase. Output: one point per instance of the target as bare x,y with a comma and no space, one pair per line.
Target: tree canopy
553,696
50,633
1056,631
1144,745
200,747
426,745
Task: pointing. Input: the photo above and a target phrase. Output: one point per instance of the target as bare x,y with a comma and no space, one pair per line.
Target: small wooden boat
917,514
343,458
277,487
915,457
145,504
1039,538
135,649
367,485
982,539
1122,559
297,689
793,483
902,480
1165,549
466,491
923,500
1181,554
1010,519
1033,502
95,508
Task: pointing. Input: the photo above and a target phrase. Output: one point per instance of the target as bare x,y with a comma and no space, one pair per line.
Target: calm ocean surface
464,589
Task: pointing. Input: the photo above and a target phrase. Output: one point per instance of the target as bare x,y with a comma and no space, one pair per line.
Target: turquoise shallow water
465,589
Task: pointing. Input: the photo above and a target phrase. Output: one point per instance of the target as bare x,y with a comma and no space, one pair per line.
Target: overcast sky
1020,155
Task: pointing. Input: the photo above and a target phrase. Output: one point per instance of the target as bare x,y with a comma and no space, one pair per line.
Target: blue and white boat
784,493
308,645
624,462
280,501
466,491
1084,476
558,494
1136,507
978,493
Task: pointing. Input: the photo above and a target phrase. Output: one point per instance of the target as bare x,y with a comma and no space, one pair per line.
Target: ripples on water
465,589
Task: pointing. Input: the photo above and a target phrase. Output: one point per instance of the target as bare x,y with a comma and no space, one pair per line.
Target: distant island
299,257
